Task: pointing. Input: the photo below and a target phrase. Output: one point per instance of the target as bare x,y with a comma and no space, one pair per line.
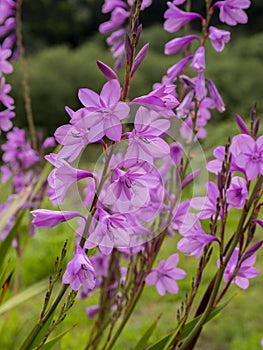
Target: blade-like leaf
162,343
23,296
146,336
49,345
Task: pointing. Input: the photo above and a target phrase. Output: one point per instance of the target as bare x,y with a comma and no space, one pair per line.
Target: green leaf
23,296
49,345
142,342
168,339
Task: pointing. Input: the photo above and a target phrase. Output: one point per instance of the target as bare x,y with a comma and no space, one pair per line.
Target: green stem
36,330
25,84
221,270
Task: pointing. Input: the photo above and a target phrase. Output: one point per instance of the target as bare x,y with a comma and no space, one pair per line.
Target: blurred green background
62,45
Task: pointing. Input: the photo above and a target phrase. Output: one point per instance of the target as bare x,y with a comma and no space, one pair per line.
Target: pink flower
106,111
176,18
231,11
5,66
118,17
62,177
164,276
145,142
80,272
198,63
5,116
44,218
218,38
248,154
237,192
177,44
4,98
161,100
194,240
243,269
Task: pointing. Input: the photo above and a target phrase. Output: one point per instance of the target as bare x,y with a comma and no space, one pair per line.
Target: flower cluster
199,95
7,39
120,15
132,197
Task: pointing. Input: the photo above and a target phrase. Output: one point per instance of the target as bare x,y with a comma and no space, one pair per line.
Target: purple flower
176,18
18,151
214,94
5,66
80,272
180,214
61,178
243,269
145,142
106,111
118,17
128,190
237,193
161,100
91,311
218,38
177,44
207,205
6,9
200,89
5,116
183,109
231,11
165,275
44,218
109,231
178,68
198,63
176,152
194,240
4,98
248,154
74,139
110,5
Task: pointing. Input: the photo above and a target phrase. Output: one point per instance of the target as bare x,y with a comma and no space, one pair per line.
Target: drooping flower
80,272
118,17
206,205
232,11
162,100
178,68
248,154
194,240
218,38
176,18
5,116
242,268
5,66
215,96
198,63
237,192
44,218
164,276
177,44
7,100
62,177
